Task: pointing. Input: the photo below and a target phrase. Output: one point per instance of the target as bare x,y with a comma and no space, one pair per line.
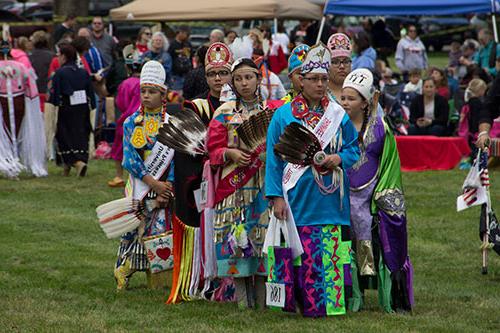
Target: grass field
56,268
436,59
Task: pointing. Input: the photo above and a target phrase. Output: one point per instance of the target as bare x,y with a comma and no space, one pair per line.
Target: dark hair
201,52
427,78
415,71
70,17
81,44
444,80
231,31
183,28
67,50
366,116
361,40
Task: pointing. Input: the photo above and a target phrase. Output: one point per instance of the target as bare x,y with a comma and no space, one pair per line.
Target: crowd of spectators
420,100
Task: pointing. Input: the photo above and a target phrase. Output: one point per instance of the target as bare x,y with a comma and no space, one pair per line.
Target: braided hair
366,116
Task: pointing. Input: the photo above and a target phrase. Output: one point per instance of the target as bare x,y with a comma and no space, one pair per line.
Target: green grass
56,268
435,59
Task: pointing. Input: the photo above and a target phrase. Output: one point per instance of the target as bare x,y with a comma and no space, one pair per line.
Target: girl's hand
332,161
237,156
280,208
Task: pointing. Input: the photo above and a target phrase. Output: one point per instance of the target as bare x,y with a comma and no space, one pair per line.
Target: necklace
147,125
309,116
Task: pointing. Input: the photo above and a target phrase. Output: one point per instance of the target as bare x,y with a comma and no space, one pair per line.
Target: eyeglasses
316,79
221,74
338,62
147,33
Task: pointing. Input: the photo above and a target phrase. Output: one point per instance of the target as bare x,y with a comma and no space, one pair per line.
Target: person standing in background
143,38
93,57
365,54
299,33
102,41
72,92
40,58
195,83
180,50
65,27
230,37
216,36
128,100
158,50
410,53
489,112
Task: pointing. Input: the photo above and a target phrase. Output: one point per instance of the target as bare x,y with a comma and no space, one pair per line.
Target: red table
418,153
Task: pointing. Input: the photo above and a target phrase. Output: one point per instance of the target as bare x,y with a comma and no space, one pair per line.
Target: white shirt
429,110
275,85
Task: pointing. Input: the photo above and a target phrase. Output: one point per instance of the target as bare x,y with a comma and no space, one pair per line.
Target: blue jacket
365,60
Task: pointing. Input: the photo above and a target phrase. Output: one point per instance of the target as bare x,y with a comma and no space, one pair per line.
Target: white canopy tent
216,10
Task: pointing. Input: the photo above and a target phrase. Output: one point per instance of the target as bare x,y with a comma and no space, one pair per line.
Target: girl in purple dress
378,216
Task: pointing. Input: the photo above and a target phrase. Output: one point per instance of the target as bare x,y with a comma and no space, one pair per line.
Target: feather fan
298,145
184,132
120,216
253,131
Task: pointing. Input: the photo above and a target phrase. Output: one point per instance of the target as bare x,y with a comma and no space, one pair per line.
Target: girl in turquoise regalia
139,138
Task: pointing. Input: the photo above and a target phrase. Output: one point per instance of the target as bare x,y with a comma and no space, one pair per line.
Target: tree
63,8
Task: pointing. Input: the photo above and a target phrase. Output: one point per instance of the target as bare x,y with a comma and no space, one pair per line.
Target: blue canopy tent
410,7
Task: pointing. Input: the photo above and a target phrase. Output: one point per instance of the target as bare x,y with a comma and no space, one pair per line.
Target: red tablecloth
418,153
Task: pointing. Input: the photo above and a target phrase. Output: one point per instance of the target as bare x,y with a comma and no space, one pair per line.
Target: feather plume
184,132
242,48
120,216
297,145
253,131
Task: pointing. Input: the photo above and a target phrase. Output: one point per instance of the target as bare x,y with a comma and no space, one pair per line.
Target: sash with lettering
325,131
156,163
239,176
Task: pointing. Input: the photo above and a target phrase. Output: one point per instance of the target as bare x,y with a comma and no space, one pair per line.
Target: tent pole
322,25
275,25
320,31
495,29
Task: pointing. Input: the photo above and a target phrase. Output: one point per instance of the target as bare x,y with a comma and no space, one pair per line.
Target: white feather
242,47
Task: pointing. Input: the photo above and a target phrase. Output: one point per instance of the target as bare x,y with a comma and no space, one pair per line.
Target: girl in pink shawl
128,100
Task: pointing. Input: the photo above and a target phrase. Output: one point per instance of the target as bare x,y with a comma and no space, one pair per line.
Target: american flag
470,196
483,166
473,196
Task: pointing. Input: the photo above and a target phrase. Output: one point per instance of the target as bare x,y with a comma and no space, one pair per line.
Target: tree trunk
63,8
